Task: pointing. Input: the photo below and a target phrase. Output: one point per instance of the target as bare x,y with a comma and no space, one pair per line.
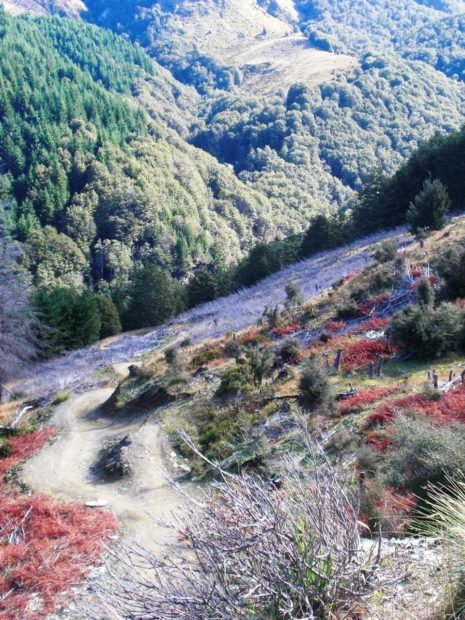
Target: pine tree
202,287
429,209
85,321
153,298
110,323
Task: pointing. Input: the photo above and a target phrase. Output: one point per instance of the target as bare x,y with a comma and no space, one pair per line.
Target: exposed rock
134,371
113,462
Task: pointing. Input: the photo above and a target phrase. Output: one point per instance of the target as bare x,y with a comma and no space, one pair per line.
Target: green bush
451,265
381,280
205,356
236,380
386,251
261,362
232,349
5,450
424,453
314,387
217,430
347,309
290,351
425,293
425,331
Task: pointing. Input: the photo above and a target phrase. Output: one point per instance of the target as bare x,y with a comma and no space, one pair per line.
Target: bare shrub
255,549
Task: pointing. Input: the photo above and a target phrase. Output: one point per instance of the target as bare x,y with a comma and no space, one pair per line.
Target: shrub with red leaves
286,330
359,353
363,398
449,408
335,326
46,548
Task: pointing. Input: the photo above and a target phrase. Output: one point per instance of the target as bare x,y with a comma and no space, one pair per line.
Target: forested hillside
91,182
310,149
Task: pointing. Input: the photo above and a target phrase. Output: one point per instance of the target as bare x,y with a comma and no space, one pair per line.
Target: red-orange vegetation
363,398
372,304
46,548
335,326
360,352
379,442
374,324
449,408
286,330
23,446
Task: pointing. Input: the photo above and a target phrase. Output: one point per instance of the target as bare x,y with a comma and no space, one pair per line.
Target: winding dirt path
62,469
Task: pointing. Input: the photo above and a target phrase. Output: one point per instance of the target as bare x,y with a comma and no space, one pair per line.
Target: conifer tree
430,208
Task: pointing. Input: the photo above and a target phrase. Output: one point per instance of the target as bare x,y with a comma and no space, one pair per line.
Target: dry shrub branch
256,549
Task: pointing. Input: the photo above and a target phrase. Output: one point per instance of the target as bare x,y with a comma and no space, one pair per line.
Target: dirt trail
63,469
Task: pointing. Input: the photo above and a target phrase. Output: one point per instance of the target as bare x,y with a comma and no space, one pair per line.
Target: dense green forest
96,176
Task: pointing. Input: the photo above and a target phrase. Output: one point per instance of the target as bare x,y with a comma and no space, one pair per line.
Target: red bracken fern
23,446
449,408
359,352
286,330
335,326
46,547
363,398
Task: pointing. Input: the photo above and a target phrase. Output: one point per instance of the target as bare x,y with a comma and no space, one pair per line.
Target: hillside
71,8
371,114
108,162
373,283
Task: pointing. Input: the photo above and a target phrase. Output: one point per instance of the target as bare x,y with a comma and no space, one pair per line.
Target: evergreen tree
202,287
85,321
323,233
430,207
110,323
153,297
71,318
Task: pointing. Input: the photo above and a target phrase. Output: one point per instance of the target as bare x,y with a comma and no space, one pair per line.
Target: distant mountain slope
295,150
42,7
252,38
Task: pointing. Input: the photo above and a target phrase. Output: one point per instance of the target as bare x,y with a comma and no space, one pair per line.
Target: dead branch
251,550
